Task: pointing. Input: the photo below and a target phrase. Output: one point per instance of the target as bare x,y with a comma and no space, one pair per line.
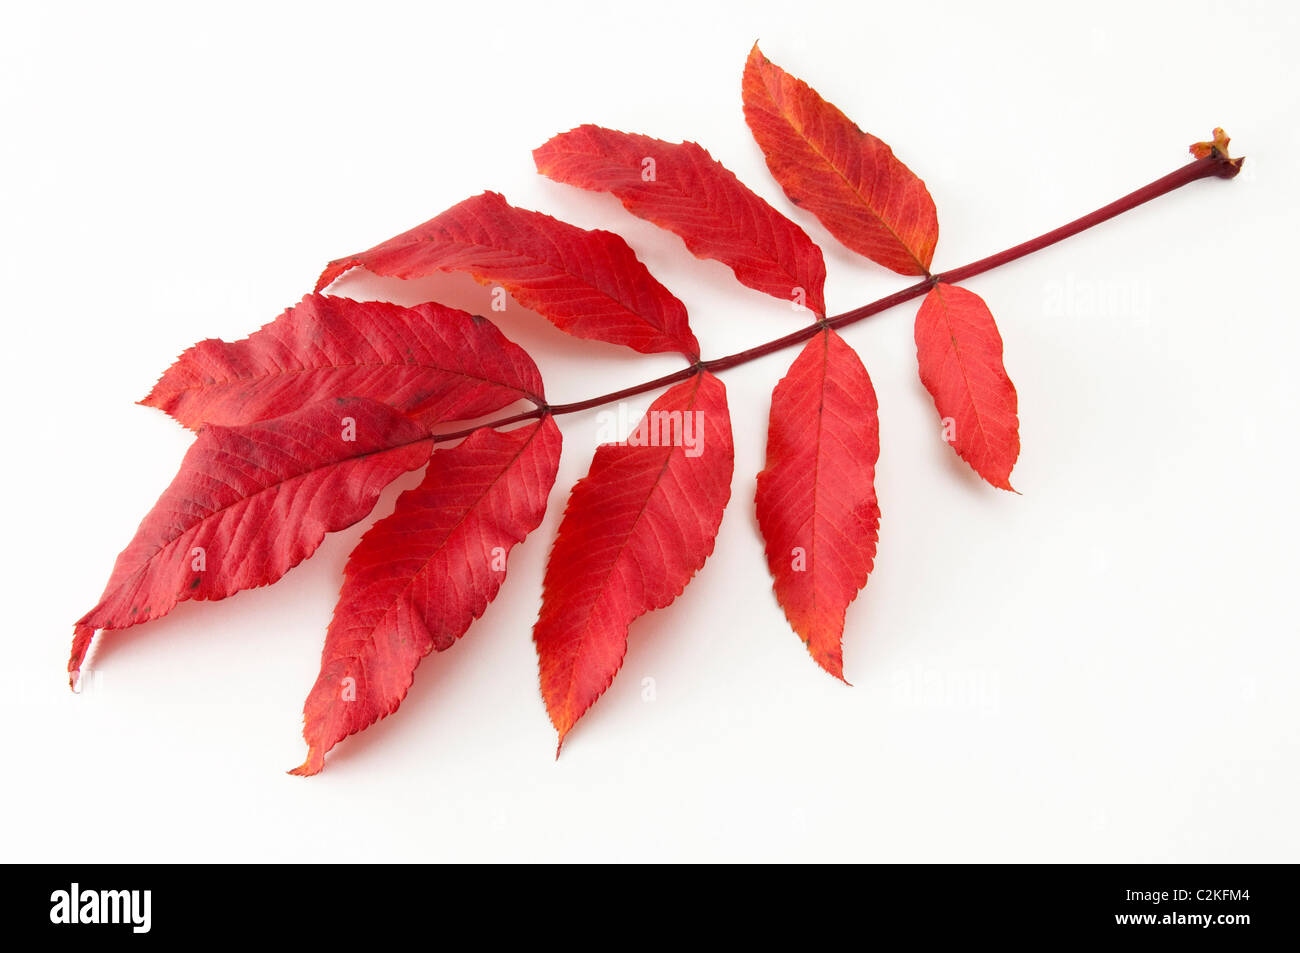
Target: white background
1101,669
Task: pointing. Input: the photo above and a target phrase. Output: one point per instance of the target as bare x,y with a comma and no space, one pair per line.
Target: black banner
1219,904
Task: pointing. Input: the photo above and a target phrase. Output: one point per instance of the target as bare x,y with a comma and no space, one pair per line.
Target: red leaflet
250,503
429,361
816,497
419,577
850,180
637,528
682,188
588,283
959,352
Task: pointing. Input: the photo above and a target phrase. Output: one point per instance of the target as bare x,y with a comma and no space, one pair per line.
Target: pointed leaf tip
313,765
